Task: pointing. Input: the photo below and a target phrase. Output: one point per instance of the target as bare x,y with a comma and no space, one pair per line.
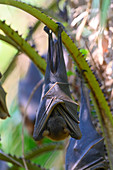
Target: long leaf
18,161
43,149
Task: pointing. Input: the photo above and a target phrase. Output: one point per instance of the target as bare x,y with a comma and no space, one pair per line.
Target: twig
23,120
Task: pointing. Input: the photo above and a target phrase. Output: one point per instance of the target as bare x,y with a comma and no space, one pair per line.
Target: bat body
88,152
57,114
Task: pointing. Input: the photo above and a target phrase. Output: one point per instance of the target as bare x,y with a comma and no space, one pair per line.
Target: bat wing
79,157
43,114
59,92
68,108
89,150
72,124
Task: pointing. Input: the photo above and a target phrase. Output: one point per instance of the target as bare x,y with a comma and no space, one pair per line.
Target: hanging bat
57,114
88,152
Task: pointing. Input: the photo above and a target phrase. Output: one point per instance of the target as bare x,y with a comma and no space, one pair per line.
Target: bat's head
56,128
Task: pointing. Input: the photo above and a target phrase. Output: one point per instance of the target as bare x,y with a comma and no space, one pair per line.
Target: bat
88,152
56,117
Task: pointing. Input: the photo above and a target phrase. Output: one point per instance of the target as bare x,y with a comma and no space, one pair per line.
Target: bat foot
60,28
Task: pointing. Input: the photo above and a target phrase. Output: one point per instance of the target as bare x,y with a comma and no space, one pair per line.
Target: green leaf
104,114
43,149
11,130
18,161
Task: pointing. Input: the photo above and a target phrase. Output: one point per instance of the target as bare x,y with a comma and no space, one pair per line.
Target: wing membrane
73,126
43,116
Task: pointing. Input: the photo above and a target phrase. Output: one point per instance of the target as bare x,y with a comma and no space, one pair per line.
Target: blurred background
90,25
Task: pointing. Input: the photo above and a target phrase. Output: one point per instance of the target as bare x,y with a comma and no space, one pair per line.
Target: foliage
13,38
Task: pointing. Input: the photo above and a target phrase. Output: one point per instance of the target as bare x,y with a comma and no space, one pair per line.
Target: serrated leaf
18,161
